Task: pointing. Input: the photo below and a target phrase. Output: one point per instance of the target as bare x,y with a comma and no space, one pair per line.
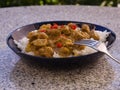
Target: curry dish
54,38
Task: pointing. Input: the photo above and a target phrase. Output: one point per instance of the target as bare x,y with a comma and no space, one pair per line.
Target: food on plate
53,40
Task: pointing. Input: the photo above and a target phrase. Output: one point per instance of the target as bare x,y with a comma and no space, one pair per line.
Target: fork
97,45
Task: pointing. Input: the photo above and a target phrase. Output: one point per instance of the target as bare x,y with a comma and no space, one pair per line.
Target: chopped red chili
54,26
59,45
43,30
73,26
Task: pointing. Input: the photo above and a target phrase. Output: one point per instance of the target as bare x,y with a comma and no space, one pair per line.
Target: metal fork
97,45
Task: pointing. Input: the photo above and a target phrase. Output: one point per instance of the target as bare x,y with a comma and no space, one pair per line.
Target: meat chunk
32,36
65,30
46,51
85,28
64,51
53,33
45,27
80,35
39,42
94,35
42,35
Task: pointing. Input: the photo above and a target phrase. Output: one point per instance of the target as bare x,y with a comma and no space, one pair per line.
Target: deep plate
22,31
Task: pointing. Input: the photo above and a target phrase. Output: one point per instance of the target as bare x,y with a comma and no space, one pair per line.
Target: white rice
22,43
103,35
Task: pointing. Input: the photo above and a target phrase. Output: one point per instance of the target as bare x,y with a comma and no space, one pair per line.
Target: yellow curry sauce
54,38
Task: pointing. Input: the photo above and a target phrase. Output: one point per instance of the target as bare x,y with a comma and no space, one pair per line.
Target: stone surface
15,74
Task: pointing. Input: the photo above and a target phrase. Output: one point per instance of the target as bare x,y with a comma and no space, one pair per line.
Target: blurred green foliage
118,1
9,3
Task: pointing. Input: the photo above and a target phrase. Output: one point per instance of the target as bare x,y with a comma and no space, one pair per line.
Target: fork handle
116,60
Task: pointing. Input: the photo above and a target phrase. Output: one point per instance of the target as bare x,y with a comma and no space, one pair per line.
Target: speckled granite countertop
15,74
